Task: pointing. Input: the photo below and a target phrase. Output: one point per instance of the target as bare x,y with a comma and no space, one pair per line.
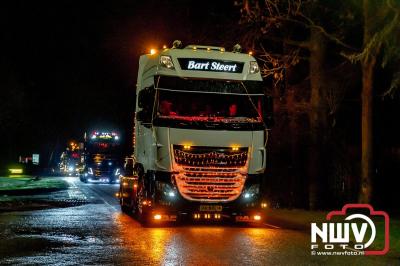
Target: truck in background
71,159
102,157
201,129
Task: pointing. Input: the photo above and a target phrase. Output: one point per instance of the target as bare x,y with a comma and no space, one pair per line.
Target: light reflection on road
99,234
192,244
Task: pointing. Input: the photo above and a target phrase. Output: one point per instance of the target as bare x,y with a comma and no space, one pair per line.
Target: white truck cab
200,136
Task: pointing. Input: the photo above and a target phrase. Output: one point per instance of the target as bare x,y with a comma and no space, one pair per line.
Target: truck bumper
246,208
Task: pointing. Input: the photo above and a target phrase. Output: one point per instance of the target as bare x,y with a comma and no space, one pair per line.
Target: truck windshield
103,147
199,106
209,100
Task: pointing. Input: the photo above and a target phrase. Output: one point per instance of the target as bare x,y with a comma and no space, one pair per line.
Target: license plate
210,208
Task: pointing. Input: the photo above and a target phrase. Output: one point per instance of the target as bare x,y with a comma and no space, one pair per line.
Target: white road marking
273,226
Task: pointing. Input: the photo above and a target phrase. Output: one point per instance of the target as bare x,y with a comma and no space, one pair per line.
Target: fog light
257,217
146,202
157,217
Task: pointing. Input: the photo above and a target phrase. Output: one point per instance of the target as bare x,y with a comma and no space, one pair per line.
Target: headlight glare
254,67
166,61
166,189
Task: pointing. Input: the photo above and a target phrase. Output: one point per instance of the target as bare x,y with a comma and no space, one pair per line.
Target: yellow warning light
235,148
153,51
164,46
264,205
186,147
251,53
257,217
157,217
16,170
146,202
208,49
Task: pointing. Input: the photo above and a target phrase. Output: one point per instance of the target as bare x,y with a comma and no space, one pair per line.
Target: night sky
69,66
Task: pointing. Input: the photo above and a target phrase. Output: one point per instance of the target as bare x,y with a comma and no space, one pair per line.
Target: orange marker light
153,51
157,217
257,217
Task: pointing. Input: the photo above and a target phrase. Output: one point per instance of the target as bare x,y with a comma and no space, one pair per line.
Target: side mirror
145,102
139,116
146,97
142,98
144,117
138,169
128,167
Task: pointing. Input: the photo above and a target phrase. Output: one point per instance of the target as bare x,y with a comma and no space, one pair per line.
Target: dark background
70,66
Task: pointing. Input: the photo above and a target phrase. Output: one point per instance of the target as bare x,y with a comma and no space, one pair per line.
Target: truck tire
126,209
144,219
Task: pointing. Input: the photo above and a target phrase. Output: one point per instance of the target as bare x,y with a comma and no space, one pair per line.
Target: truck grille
209,174
103,173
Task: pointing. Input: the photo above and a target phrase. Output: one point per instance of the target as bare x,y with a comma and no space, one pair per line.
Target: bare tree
381,36
295,25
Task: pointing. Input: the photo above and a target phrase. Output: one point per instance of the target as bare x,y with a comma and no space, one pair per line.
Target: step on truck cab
200,136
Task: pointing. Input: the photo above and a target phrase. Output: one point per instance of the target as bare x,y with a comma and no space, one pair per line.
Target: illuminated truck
70,163
102,157
200,137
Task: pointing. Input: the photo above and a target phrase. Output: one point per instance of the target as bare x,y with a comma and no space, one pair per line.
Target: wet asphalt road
98,233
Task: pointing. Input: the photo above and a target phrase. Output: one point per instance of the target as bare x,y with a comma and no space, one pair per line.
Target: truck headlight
166,61
254,67
90,171
166,189
252,191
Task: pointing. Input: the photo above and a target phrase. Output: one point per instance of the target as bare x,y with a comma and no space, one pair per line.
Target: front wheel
126,209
